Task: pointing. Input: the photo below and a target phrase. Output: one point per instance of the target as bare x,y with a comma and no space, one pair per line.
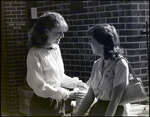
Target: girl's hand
73,94
82,86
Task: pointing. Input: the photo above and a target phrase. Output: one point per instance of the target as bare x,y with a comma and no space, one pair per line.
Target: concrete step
139,110
135,110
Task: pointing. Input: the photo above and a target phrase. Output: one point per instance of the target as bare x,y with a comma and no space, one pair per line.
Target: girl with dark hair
105,86
45,68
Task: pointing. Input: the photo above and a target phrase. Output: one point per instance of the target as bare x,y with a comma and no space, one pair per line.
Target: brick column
13,53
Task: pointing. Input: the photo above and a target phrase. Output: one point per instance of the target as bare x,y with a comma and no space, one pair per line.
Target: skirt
100,107
45,106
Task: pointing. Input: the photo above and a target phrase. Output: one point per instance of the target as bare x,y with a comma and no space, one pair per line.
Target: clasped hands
81,89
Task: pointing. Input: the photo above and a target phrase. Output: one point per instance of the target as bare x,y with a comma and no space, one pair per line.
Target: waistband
105,102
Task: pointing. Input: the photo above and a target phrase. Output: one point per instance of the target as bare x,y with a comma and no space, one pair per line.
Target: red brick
136,52
106,2
111,8
135,13
93,3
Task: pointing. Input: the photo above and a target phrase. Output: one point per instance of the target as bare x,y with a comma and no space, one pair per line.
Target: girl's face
97,48
54,35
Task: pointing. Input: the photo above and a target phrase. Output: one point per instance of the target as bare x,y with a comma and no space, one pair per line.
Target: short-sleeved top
100,81
45,73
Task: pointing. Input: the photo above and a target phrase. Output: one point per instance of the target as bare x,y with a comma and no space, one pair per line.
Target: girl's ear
46,31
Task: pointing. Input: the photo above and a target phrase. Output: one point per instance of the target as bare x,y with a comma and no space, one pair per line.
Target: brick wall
127,16
13,53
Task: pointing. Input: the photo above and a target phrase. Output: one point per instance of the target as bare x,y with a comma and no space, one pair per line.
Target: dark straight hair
107,35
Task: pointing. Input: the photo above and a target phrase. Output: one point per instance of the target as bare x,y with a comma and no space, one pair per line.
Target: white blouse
100,81
45,73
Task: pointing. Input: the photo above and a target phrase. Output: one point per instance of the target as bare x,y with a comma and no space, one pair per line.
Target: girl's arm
86,103
119,84
114,102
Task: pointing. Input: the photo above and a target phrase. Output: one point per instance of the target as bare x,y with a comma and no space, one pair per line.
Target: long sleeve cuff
62,93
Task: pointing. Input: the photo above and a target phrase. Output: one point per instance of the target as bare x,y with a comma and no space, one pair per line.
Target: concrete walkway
139,110
135,110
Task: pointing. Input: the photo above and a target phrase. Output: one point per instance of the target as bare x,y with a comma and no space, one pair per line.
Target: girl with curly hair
45,68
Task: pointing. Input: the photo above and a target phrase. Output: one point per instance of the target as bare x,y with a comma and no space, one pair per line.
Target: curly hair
107,35
37,36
